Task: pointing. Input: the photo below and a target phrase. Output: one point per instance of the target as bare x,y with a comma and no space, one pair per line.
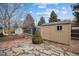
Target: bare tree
8,11
28,23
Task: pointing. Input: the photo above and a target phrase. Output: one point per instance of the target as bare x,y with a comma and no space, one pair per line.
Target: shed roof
56,23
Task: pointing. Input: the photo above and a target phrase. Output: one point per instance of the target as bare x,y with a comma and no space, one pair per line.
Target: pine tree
75,9
53,17
42,21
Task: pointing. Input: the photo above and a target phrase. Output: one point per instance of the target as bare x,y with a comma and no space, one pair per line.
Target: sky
37,10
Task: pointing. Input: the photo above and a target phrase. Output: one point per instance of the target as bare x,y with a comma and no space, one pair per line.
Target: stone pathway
26,49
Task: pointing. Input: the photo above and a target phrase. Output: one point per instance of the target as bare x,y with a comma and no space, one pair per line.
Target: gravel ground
29,49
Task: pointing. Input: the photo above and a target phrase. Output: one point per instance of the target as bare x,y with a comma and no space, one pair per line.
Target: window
59,28
0,27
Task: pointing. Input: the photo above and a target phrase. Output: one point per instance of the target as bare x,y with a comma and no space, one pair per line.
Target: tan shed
57,31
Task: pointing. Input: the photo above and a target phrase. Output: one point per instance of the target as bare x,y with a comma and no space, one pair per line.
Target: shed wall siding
51,33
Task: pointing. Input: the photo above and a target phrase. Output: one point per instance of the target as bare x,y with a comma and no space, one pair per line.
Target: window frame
60,28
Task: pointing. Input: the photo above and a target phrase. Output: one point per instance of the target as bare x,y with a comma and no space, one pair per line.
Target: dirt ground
75,46
9,41
12,41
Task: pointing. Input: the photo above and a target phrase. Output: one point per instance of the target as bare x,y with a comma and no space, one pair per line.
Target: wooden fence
75,33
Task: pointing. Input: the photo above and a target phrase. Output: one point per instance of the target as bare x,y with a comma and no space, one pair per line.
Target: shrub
37,39
1,35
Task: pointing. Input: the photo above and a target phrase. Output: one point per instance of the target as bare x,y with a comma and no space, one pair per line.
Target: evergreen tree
42,21
53,17
75,9
58,20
